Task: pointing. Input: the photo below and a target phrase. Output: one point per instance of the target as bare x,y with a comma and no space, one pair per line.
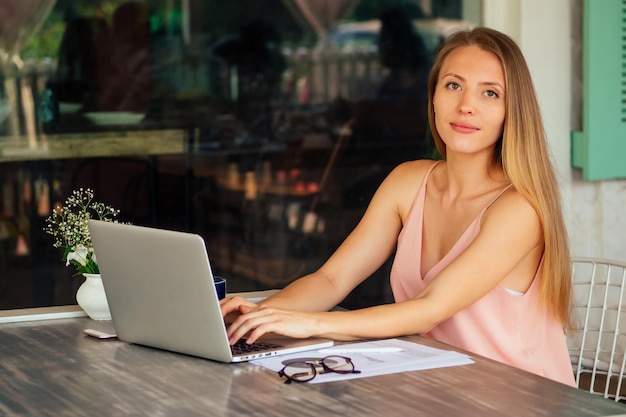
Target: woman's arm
510,233
368,246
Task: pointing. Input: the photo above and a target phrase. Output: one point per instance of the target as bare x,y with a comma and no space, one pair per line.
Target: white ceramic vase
92,298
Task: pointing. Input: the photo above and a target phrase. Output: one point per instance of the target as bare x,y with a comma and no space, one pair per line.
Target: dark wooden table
50,368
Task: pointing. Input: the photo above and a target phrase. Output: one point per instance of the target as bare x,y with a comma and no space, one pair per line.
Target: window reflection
266,127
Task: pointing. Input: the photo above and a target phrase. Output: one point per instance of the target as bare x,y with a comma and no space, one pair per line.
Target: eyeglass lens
304,371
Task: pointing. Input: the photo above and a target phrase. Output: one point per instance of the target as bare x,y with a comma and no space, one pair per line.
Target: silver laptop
160,290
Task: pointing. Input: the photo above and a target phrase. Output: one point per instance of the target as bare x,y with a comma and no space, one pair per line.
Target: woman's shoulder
410,173
404,182
511,204
413,170
511,199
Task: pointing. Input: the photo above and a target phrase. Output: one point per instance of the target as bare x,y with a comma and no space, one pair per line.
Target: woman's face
469,101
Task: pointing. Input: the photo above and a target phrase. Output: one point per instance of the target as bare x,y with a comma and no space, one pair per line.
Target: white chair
597,347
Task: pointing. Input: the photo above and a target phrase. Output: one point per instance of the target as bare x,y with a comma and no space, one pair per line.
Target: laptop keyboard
241,347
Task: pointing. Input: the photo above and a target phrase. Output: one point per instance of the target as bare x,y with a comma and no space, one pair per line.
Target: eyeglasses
306,370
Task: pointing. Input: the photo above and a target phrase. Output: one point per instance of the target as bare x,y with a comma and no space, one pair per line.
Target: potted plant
68,225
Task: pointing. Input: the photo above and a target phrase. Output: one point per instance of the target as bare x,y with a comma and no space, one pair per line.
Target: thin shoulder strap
421,193
495,198
430,169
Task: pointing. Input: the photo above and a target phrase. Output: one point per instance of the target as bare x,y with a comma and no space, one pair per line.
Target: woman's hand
231,307
255,321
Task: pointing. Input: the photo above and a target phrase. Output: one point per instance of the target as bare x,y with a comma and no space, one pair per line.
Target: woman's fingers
249,319
255,322
231,307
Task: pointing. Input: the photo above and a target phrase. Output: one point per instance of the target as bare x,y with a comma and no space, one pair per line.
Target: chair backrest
597,346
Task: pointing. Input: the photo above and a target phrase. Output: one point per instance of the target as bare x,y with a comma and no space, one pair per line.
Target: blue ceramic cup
220,286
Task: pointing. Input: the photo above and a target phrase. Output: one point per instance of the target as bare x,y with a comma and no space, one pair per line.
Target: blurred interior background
264,126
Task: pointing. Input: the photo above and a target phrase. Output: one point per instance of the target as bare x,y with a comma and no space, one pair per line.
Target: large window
264,126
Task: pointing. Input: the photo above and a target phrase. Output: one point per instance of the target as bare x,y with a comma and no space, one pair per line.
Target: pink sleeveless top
505,327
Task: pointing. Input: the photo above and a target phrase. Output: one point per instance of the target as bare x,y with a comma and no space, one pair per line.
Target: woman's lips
464,127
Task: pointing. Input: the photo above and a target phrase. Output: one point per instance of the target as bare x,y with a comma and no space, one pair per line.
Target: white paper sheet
413,357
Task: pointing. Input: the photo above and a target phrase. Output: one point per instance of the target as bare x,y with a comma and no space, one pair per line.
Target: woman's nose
466,105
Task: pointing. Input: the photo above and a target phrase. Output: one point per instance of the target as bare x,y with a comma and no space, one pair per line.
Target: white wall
547,36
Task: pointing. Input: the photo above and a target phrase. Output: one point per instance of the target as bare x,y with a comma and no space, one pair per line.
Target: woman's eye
492,94
453,86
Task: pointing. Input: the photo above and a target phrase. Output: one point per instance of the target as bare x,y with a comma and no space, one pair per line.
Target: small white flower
79,255
68,224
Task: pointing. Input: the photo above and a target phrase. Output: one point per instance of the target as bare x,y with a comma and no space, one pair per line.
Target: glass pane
265,127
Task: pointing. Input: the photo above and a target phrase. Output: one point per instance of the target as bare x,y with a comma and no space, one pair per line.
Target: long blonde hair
523,153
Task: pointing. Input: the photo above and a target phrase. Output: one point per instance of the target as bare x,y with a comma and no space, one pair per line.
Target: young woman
482,259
